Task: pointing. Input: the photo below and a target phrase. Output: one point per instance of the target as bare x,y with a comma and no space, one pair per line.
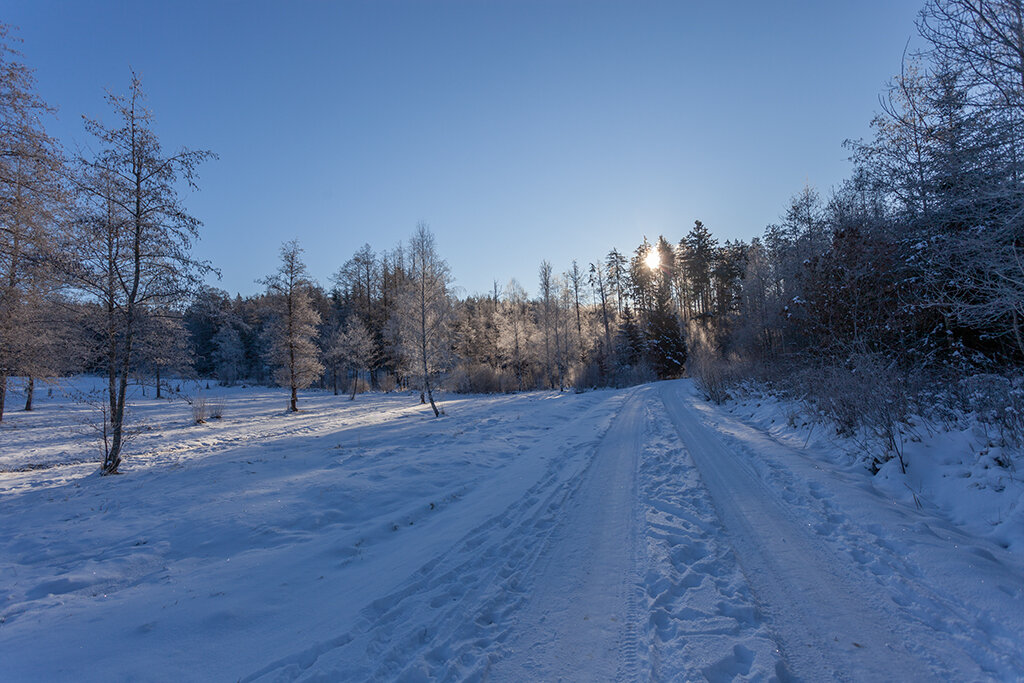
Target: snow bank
953,470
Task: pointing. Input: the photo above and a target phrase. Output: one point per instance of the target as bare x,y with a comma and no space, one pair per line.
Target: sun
653,259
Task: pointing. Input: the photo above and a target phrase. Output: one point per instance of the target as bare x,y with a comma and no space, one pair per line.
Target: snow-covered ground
630,534
959,471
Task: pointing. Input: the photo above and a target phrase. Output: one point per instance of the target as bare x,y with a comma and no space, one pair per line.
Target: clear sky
519,130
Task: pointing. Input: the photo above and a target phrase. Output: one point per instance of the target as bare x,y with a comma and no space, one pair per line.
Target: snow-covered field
629,534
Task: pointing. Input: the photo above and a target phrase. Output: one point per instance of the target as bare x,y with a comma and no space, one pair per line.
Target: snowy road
828,614
663,552
580,619
625,535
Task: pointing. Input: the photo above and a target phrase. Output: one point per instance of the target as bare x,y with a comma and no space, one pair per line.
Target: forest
899,293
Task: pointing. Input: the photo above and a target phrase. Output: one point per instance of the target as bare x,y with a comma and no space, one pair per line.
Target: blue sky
518,130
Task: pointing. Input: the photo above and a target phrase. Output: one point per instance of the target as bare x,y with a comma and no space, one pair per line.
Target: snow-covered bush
866,397
713,376
475,378
199,410
997,403
631,375
387,383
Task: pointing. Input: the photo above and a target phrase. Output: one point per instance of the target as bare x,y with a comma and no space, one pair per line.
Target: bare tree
600,285
548,321
162,346
131,246
358,280
982,38
352,347
30,206
514,331
292,334
575,277
425,312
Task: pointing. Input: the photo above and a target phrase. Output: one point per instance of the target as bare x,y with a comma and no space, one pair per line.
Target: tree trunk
354,381
295,399
3,394
113,459
430,395
158,381
29,391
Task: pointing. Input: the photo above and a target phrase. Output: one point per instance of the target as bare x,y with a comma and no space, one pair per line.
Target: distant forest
901,291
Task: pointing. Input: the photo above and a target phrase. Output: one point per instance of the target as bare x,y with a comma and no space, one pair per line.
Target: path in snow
842,614
579,622
672,549
640,534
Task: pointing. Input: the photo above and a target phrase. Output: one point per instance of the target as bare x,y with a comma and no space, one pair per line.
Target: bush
631,375
388,383
713,374
713,377
997,402
476,378
357,385
199,410
864,396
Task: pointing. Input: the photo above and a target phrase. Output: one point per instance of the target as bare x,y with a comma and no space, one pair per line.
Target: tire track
824,610
470,594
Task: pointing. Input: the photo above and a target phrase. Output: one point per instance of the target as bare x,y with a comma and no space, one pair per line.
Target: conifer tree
629,341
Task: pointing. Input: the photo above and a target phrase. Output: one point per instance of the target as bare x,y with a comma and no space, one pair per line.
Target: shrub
199,410
388,383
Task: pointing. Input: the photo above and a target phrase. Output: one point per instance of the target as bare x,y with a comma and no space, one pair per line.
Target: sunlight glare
653,259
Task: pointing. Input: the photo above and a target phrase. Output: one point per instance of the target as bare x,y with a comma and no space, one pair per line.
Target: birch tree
292,334
425,313
133,239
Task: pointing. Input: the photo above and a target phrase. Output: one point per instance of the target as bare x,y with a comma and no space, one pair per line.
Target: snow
628,534
954,471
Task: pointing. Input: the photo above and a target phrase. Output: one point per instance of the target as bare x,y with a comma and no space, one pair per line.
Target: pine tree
228,355
629,341
666,346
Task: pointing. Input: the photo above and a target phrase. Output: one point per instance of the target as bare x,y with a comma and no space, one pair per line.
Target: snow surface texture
953,470
632,535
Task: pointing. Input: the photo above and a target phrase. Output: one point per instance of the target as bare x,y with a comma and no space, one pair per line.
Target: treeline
615,322
902,291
